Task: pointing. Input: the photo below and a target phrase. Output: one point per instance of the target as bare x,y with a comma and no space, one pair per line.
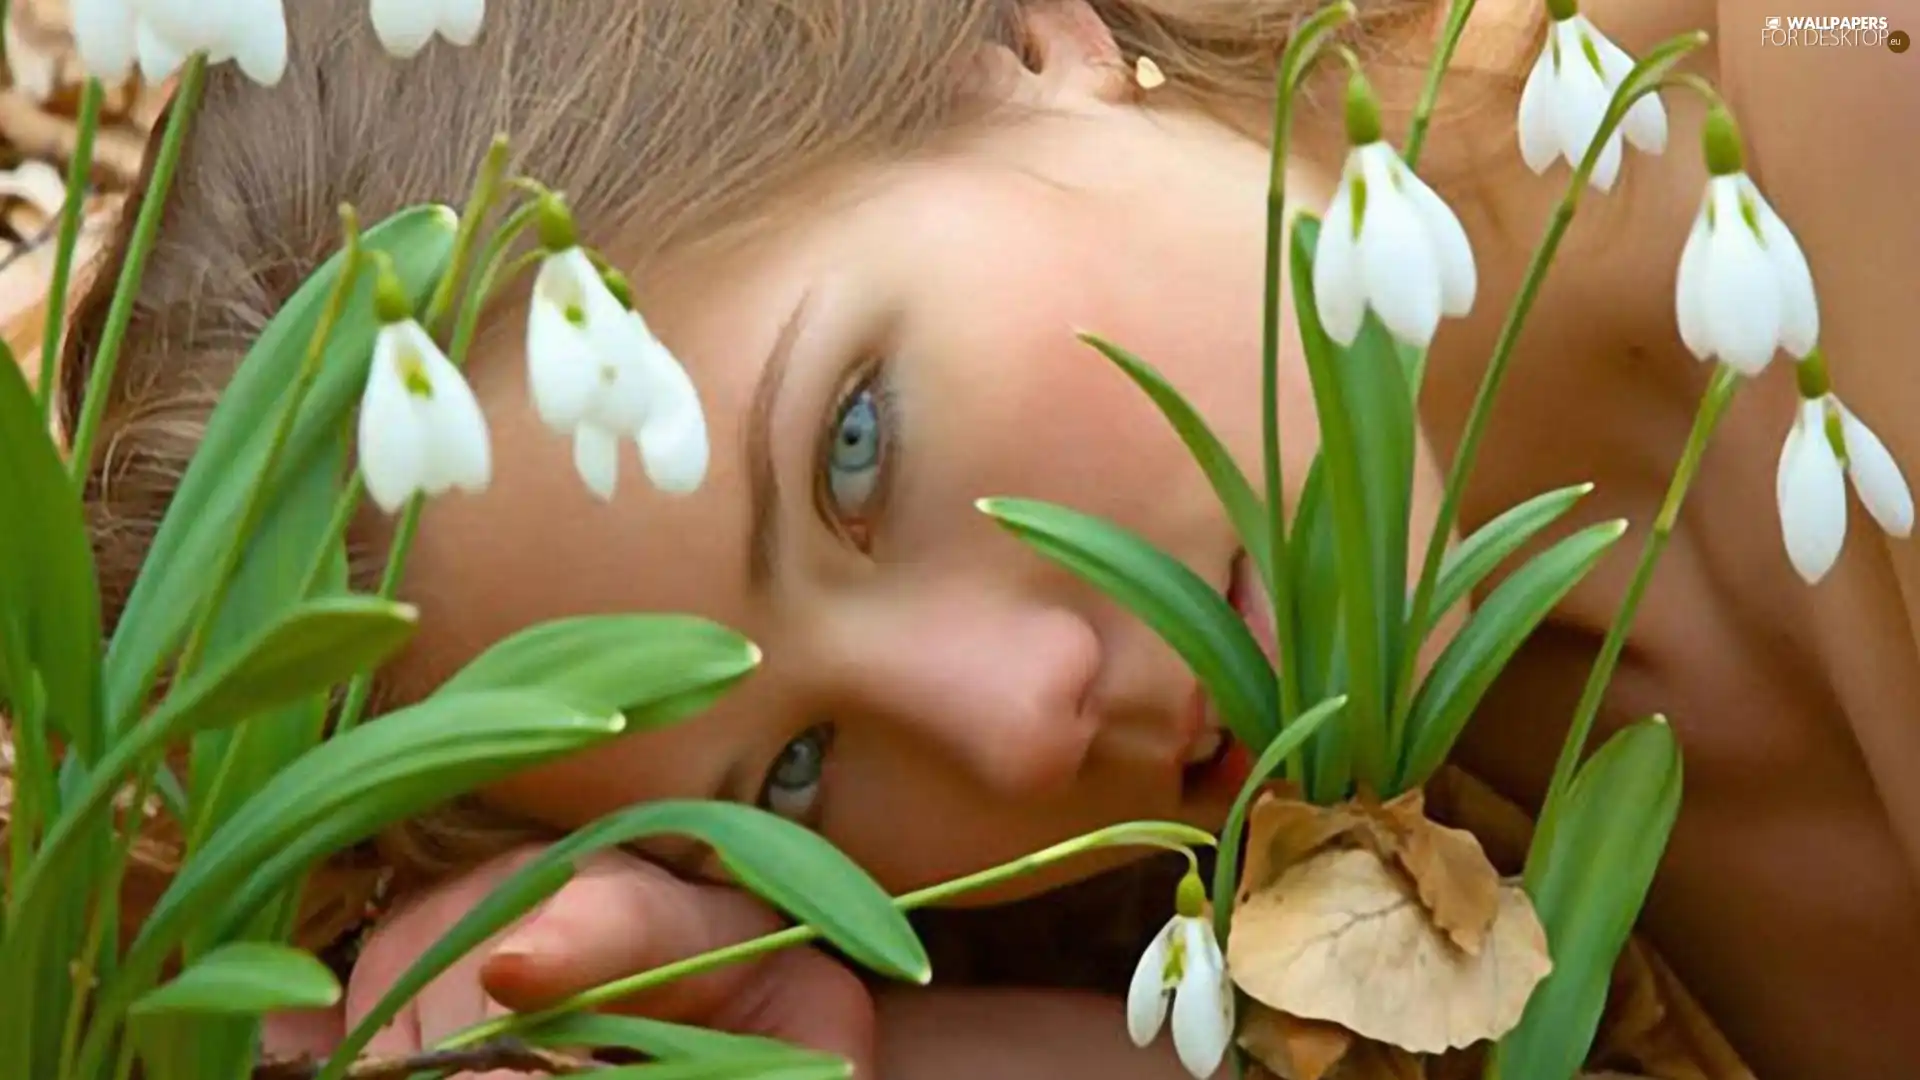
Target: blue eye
857,445
792,787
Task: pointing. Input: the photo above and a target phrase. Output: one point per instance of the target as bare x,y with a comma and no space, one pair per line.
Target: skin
980,690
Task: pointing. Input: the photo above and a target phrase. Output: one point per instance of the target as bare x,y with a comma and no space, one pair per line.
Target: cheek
1008,401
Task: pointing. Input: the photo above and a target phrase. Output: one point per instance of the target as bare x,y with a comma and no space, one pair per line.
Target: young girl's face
935,697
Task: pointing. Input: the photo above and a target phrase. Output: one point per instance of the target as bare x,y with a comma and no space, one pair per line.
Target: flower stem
1420,613
1174,837
1450,36
1713,406
480,291
83,965
79,176
146,232
1280,578
486,188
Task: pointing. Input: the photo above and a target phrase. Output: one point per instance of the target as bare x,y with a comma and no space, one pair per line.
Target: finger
620,916
807,998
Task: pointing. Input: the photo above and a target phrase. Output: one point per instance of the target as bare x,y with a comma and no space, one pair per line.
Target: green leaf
310,649
199,520
245,978
228,765
1480,554
1368,491
1315,558
655,1038
787,1066
1619,812
655,668
346,789
1244,506
1475,657
49,602
789,866
1187,612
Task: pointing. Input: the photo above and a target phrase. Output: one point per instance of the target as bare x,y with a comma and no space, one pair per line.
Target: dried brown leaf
1457,884
1341,937
1282,830
1294,1049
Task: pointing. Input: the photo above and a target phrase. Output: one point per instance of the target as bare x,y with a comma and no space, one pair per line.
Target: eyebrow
763,487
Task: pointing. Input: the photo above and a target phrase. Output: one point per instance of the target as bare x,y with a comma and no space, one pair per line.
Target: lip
1227,770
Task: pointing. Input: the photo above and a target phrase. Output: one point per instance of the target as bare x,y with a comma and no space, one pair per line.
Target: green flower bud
554,222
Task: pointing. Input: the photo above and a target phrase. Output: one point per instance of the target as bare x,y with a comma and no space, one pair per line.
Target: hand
618,916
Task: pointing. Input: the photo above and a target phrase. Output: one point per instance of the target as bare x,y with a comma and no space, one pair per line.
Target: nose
1000,685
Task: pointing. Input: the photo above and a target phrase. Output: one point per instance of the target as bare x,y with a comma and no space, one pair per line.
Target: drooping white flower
1744,288
598,373
1567,94
421,429
1391,244
251,33
405,26
1827,445
1182,967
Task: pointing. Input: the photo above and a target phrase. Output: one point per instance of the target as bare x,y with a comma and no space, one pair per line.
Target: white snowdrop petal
1740,298
1148,992
1645,124
103,34
1813,498
673,439
460,20
1399,269
1453,252
1690,302
392,441
257,39
1799,306
461,454
1877,477
193,24
404,26
1338,296
596,457
1202,1004
1539,119
562,370
158,55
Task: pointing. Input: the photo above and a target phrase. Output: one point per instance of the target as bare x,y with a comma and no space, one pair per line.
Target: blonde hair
664,123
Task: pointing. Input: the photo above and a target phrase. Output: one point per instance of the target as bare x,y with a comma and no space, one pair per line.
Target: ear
1067,58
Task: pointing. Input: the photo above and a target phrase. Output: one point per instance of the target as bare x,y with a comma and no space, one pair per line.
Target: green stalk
1713,406
1176,838
486,188
1302,48
1644,79
82,968
79,175
146,231
1457,16
480,293
1280,581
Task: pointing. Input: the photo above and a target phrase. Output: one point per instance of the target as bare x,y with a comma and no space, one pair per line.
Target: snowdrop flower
111,35
1388,242
598,373
1744,287
421,429
1826,439
405,26
1183,964
1567,94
